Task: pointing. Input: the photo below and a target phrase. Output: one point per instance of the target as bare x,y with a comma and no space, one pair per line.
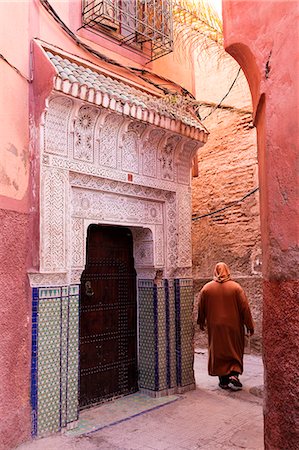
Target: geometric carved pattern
184,232
103,195
149,153
184,163
77,242
89,201
90,185
109,206
108,140
159,253
171,217
84,133
143,247
130,152
53,238
167,157
56,129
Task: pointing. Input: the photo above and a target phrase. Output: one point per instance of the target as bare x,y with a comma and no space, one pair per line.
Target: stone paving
207,418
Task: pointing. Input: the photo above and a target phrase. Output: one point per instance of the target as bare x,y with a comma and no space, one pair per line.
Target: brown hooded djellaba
224,307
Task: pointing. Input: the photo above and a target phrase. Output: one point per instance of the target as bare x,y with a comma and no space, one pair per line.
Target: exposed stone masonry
227,170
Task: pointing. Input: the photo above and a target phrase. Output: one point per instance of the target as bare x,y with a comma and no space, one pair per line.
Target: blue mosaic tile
34,385
178,332
55,353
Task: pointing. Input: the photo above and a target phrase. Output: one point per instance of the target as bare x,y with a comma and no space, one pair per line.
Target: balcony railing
133,22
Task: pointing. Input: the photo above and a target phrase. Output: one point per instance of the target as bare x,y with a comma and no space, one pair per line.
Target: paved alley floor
207,418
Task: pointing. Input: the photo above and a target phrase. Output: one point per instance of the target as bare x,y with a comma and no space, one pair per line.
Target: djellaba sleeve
245,311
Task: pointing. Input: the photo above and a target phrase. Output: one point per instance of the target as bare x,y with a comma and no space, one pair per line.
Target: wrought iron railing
133,21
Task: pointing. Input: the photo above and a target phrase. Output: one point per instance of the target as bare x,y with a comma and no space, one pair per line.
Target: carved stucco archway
79,184
103,166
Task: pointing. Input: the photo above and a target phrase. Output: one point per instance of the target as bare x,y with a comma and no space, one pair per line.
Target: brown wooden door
108,316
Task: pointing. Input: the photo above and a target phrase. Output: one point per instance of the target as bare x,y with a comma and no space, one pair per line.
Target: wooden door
108,316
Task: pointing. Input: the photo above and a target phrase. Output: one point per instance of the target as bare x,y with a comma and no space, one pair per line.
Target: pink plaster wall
21,104
15,307
263,37
15,326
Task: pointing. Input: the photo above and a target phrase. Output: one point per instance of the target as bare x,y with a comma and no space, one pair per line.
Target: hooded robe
223,306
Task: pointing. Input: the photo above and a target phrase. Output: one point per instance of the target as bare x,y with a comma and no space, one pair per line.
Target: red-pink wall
15,303
21,103
263,37
15,326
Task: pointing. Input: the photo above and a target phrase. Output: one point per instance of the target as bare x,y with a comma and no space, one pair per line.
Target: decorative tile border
147,342
55,353
167,333
184,331
177,294
156,335
34,361
165,347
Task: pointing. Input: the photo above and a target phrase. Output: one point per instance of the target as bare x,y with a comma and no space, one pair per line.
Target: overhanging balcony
143,23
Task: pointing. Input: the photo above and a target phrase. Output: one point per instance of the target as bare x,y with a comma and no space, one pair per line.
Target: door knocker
88,289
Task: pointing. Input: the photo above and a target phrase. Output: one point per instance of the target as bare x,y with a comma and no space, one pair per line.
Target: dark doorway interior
108,316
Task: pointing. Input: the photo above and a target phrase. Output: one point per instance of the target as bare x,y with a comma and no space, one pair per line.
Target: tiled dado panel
55,352
184,331
153,336
165,334
148,361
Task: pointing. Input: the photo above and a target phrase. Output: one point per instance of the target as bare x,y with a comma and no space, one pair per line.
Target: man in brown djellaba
224,308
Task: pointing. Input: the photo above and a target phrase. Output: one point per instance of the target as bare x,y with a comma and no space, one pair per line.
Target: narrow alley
208,418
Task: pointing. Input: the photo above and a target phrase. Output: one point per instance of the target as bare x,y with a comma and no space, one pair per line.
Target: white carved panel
53,207
84,133
107,206
143,247
129,155
105,147
184,162
56,125
77,243
108,140
184,211
167,157
137,127
149,153
160,247
171,230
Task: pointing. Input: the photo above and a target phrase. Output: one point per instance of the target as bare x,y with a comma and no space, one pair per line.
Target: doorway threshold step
117,411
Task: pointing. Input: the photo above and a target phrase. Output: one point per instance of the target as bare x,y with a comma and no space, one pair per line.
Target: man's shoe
223,386
234,383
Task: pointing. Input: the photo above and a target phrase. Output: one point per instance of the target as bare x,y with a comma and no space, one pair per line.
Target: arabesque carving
84,180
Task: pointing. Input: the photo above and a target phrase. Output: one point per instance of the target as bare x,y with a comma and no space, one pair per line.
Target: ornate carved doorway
108,316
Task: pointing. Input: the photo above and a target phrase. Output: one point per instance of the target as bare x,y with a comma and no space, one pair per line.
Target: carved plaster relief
167,157
149,152
56,134
130,157
53,220
84,133
108,140
143,247
107,206
130,147
159,245
184,161
184,211
77,243
90,186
